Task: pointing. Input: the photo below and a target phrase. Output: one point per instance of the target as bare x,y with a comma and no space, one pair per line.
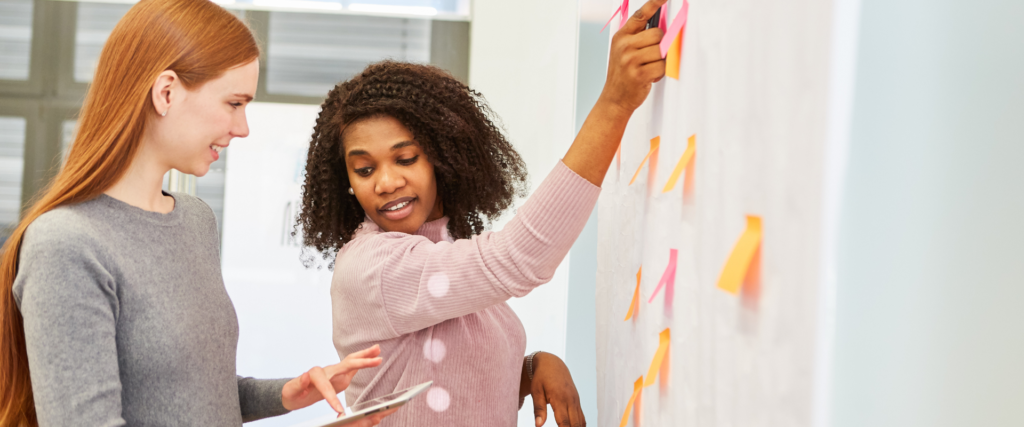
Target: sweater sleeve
69,305
424,283
260,398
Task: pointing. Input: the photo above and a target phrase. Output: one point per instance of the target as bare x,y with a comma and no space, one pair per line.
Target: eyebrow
248,98
397,146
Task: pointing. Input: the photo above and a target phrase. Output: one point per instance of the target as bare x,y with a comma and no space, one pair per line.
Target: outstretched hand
552,385
325,383
635,62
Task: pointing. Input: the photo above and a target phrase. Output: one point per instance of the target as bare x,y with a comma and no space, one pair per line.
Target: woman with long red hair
113,310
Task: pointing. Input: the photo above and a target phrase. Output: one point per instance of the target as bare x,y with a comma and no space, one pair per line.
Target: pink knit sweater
437,306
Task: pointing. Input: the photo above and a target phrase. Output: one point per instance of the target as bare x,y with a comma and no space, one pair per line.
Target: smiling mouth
217,148
397,204
398,209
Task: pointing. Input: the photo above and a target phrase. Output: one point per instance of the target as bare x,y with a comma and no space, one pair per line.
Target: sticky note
736,266
668,278
610,19
654,147
637,386
676,28
675,55
659,357
636,295
684,162
622,11
663,20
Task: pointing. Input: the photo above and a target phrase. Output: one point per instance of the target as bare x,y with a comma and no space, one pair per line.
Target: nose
240,125
389,181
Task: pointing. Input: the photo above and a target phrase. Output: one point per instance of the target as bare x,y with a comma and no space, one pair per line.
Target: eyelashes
365,172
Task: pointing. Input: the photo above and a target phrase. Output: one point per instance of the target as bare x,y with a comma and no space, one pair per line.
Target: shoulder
195,211
370,240
61,248
372,250
65,226
192,205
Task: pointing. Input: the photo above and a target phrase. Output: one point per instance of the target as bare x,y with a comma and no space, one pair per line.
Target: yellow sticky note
654,147
659,357
736,266
675,52
636,295
684,162
637,386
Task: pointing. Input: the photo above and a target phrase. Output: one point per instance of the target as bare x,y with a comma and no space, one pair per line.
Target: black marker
653,22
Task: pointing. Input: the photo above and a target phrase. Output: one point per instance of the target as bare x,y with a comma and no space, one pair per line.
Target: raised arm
422,283
634,63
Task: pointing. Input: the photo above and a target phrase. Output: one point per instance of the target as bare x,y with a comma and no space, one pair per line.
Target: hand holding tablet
324,383
375,408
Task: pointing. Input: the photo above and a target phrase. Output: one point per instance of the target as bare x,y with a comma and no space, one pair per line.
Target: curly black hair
479,174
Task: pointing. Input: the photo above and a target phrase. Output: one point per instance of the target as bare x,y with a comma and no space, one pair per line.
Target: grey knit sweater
127,320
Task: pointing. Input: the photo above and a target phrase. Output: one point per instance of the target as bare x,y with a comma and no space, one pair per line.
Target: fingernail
538,421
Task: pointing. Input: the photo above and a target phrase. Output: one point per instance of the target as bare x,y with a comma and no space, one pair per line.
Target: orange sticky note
736,266
655,142
636,295
684,162
637,386
659,357
668,278
675,56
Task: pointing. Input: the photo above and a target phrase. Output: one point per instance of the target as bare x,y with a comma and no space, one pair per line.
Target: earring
163,114
351,191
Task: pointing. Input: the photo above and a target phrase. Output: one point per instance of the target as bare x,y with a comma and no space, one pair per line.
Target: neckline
436,230
167,219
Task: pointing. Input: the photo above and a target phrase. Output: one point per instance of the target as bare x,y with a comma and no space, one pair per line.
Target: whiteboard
754,89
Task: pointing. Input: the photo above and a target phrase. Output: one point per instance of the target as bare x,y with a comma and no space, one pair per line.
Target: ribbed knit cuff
260,399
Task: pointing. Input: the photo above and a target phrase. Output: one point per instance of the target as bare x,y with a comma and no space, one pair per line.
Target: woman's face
200,123
391,176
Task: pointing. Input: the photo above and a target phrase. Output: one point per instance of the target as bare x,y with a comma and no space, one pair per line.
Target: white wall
755,89
284,309
931,277
522,59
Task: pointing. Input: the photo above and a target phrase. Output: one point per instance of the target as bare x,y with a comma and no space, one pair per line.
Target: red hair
196,39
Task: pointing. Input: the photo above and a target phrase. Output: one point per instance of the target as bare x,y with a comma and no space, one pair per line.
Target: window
12,155
309,53
95,22
15,39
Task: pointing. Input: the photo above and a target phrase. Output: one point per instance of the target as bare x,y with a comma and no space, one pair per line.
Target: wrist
612,109
531,364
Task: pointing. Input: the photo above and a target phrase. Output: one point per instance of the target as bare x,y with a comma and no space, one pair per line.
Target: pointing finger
323,385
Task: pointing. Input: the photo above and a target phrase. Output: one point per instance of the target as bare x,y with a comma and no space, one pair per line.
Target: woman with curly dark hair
405,168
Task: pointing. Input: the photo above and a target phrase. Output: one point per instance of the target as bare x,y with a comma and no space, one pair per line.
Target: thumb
540,408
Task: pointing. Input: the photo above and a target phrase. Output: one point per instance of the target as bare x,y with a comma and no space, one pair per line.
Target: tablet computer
364,409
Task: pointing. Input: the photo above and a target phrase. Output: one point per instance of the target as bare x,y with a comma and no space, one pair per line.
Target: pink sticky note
610,19
677,26
668,278
663,21
621,11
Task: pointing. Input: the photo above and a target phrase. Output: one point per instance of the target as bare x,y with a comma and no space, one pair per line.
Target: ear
166,89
